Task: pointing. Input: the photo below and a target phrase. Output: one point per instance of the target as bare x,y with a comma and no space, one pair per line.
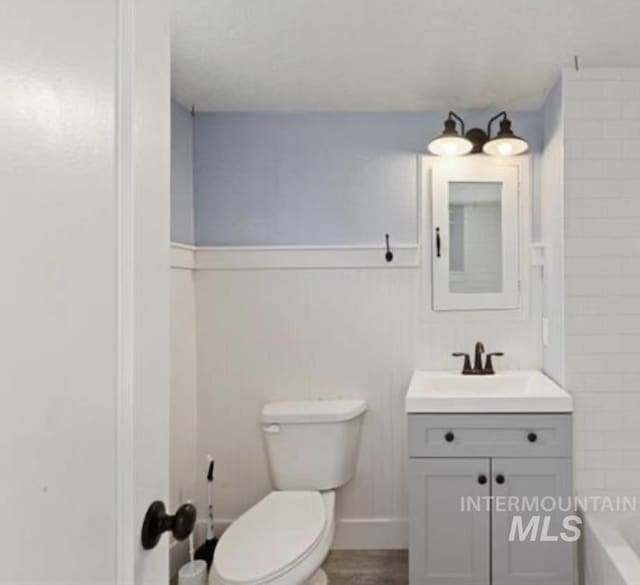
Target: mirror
475,248
475,234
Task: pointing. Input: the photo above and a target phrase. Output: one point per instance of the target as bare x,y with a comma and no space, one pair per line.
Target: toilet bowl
283,540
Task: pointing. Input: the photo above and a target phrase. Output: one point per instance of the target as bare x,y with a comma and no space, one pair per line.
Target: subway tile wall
602,273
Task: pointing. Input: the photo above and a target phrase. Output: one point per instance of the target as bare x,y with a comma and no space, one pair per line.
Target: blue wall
182,224
315,178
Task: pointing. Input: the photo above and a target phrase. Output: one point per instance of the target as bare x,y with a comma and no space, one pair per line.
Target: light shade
450,142
505,143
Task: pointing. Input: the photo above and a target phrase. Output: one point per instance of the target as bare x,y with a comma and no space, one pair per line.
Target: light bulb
450,148
505,146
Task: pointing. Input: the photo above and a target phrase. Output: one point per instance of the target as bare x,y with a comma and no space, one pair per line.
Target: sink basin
515,391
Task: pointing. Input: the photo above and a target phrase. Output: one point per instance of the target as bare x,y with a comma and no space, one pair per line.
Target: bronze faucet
478,369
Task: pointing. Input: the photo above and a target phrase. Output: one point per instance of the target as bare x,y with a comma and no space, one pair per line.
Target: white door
84,293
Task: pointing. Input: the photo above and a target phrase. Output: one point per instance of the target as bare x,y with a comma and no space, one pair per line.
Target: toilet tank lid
312,411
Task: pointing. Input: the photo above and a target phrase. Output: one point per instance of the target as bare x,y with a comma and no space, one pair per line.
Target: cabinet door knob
500,479
449,437
482,479
532,437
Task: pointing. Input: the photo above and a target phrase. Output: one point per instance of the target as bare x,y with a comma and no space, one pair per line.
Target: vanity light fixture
505,142
452,143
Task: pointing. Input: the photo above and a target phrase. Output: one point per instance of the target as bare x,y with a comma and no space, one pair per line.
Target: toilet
312,447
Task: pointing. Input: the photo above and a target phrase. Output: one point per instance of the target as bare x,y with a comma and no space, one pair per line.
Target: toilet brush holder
193,573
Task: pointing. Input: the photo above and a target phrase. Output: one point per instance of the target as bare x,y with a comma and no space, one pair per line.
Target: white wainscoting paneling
304,334
276,334
185,469
275,323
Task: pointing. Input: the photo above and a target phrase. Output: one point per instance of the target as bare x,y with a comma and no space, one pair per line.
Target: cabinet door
476,249
448,545
542,557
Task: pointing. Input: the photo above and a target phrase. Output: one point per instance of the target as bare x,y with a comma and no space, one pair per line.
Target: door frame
142,163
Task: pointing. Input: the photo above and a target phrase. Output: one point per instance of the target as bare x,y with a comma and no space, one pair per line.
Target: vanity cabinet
468,476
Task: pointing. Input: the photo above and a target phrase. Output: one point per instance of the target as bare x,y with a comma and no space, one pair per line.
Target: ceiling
390,55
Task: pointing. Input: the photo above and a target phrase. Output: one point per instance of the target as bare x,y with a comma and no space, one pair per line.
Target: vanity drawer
490,435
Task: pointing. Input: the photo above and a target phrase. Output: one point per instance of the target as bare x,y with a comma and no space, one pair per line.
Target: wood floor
364,567
367,567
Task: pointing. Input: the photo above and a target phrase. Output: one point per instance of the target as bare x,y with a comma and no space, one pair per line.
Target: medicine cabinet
475,227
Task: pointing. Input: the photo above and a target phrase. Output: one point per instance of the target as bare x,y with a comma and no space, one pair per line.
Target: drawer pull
449,437
482,479
532,437
500,479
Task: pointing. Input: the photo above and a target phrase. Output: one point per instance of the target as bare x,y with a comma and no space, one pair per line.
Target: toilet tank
312,445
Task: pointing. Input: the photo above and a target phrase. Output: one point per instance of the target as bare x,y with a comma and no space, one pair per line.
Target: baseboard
371,534
351,534
356,533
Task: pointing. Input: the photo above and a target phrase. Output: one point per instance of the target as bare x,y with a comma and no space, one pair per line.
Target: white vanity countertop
518,391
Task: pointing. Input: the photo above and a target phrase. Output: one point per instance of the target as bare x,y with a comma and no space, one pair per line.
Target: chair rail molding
292,257
182,256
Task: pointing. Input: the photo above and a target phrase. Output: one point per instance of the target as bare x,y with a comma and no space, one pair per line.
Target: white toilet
312,448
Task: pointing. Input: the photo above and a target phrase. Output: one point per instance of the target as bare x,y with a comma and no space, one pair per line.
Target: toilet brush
207,548
195,571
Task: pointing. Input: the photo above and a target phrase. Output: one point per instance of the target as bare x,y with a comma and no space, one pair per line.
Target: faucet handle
488,366
466,368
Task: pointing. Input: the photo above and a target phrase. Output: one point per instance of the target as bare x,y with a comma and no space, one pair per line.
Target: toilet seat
274,538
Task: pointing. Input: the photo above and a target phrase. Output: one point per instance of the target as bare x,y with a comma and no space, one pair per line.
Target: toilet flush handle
272,429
